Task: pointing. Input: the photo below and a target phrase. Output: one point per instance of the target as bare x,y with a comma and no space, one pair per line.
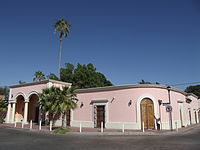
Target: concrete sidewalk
97,131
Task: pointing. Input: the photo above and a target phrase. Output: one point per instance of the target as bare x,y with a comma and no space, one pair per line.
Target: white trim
31,93
10,94
138,115
119,125
22,94
197,116
106,111
71,116
86,124
181,108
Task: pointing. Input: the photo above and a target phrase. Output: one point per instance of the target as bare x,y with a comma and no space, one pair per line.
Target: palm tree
63,27
66,102
47,100
38,76
54,100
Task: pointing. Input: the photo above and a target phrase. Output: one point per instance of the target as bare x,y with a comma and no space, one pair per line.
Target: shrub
61,130
2,120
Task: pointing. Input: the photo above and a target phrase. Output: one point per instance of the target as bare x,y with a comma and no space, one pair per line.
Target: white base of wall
58,123
166,125
108,125
119,125
86,124
127,125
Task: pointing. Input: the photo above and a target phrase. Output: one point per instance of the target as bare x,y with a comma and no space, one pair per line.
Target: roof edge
191,94
121,87
39,82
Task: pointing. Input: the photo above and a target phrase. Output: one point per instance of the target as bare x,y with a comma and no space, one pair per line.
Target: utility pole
170,112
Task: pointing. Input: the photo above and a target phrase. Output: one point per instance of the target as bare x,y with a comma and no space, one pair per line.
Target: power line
185,83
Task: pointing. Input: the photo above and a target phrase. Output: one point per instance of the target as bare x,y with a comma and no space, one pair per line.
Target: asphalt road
13,139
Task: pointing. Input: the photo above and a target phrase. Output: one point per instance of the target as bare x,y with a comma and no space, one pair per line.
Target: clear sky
127,40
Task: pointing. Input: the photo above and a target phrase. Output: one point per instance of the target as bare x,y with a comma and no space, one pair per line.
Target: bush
2,120
61,130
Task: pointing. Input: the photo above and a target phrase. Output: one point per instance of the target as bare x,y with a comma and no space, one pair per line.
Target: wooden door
147,113
100,116
36,114
68,117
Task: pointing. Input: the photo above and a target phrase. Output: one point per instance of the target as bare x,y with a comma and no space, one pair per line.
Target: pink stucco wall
120,111
27,90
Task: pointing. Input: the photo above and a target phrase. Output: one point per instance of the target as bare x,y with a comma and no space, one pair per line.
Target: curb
181,131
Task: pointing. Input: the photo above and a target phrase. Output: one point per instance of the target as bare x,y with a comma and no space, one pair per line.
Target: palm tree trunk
59,60
63,120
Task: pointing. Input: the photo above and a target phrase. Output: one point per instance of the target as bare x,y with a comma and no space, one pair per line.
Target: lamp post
160,103
170,112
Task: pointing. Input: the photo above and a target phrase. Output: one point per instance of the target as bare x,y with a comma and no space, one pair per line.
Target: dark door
100,116
199,115
36,114
68,117
147,113
195,115
190,117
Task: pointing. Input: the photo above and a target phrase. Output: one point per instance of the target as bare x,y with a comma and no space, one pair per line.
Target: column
26,111
13,112
8,113
197,116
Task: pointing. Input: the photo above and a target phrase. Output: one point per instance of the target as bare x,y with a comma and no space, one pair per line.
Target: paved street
17,139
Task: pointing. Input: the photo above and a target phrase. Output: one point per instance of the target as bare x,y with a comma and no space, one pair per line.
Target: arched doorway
33,108
147,113
19,111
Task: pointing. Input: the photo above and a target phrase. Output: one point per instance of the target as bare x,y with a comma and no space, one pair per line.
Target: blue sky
127,40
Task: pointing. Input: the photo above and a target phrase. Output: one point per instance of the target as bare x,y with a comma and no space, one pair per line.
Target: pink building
135,106
130,106
23,100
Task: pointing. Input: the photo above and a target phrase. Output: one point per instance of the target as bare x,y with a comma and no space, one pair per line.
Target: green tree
83,76
53,77
147,82
3,109
38,76
4,91
54,100
3,105
195,89
21,82
63,28
47,100
67,73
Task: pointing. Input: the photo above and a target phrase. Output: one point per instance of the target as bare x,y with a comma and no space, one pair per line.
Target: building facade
135,107
23,98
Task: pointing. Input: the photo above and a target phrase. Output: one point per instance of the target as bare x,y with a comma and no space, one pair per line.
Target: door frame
99,103
103,106
147,115
181,115
138,110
